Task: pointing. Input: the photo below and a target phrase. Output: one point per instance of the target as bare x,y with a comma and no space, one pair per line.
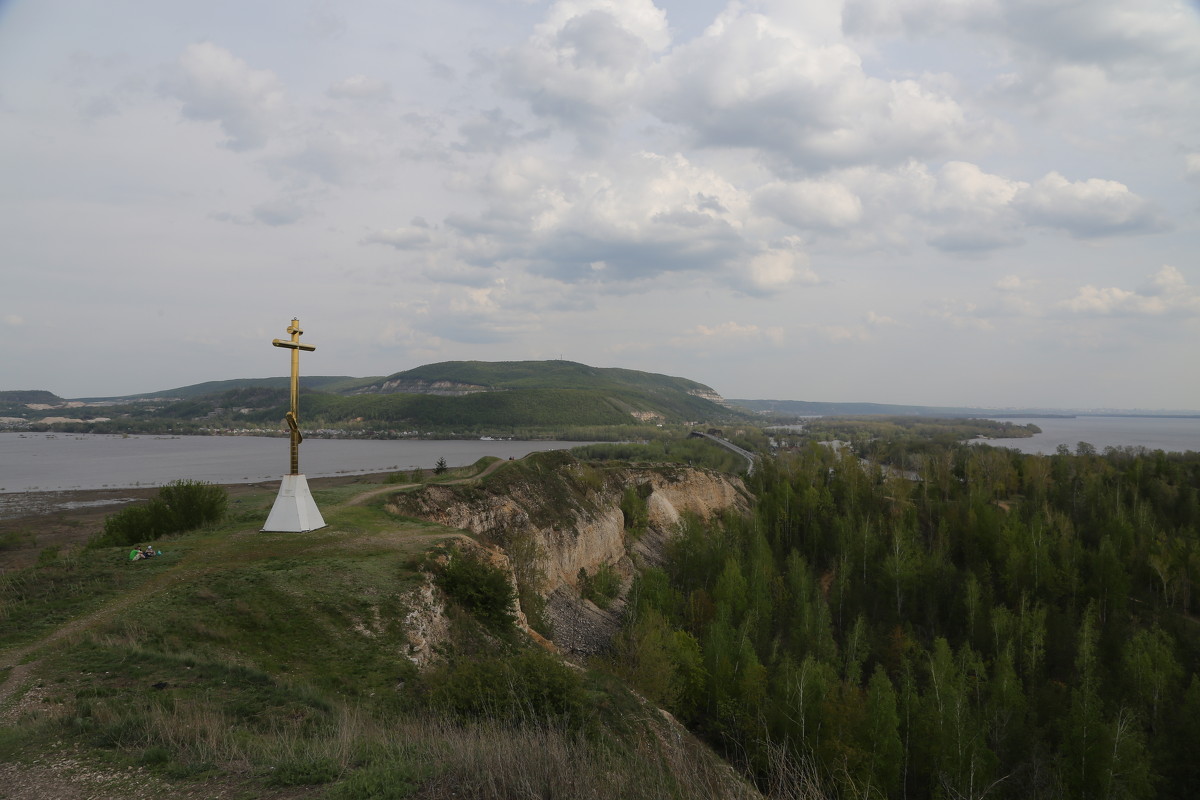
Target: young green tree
883,735
1152,672
642,655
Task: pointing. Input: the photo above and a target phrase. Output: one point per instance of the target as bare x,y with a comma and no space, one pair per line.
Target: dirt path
359,499
121,604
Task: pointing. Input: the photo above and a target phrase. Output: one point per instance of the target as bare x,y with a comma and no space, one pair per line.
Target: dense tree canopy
1006,625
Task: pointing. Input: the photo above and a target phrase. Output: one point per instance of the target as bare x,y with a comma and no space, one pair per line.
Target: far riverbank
48,462
1171,434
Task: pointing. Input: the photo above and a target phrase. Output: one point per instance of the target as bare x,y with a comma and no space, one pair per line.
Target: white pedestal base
294,511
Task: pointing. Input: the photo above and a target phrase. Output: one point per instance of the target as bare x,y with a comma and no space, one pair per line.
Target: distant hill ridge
809,408
314,382
30,396
505,397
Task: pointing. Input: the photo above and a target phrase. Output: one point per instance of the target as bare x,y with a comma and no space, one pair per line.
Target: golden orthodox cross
293,416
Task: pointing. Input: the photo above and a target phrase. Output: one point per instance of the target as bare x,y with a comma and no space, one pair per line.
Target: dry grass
439,756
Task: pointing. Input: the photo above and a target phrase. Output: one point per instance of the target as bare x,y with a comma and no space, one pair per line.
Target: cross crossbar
293,416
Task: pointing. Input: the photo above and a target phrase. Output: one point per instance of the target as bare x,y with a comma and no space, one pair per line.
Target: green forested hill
15,404
647,391
545,375
29,396
462,397
675,399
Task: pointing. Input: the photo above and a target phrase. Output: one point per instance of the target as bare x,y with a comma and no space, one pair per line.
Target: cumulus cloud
959,208
729,334
1101,67
965,316
1088,209
342,155
963,209
1191,166
811,203
281,211
465,314
214,85
964,184
971,210
622,221
416,236
751,82
777,267
1167,292
493,131
1110,32
583,66
1013,283
15,320
360,87
841,334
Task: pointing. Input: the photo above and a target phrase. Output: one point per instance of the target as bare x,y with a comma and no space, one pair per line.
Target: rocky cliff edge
558,520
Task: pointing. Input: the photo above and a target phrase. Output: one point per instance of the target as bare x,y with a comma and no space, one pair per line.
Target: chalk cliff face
445,388
565,516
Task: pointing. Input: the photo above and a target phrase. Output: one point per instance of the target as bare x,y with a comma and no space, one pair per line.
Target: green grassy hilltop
250,664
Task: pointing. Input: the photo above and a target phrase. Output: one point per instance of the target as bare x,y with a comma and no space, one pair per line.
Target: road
746,454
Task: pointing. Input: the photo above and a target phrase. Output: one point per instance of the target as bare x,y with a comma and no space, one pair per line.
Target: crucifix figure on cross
293,416
294,509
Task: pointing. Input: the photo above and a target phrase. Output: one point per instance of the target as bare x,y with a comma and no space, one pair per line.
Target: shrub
180,506
156,756
133,525
600,588
13,540
193,504
303,772
532,687
635,510
391,781
480,588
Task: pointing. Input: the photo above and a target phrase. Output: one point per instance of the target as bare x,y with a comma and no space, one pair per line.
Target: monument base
294,511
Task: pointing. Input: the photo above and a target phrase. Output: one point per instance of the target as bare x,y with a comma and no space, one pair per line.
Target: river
1154,433
61,461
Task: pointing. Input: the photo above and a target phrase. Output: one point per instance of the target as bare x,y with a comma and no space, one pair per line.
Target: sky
940,202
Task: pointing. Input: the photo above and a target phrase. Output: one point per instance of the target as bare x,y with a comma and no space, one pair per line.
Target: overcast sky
948,202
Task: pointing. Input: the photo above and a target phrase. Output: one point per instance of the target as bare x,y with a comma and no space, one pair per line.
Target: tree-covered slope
545,375
1006,625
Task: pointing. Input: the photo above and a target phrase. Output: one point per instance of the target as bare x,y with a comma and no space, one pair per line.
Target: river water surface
1172,434
61,461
